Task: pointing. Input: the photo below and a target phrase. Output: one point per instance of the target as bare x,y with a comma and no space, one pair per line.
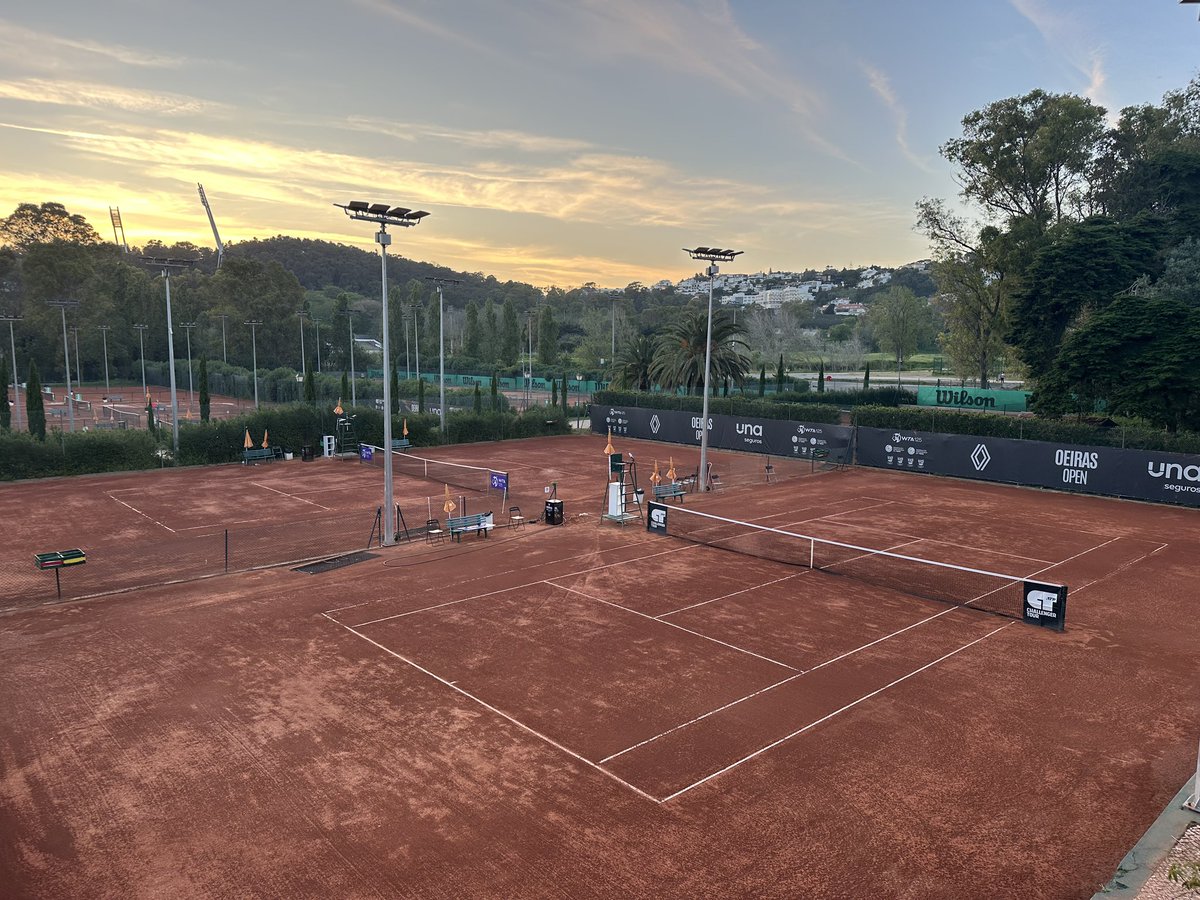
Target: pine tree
35,409
478,398
5,411
205,400
821,377
762,380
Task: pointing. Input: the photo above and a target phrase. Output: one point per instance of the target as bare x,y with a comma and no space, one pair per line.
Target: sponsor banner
973,398
656,518
1109,471
1045,605
775,437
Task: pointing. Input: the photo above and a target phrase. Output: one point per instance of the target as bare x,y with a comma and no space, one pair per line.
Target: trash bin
554,512
306,454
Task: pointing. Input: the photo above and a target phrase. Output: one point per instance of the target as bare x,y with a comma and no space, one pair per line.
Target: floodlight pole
62,306
12,341
141,330
166,265
416,341
78,376
317,326
529,315
353,385
712,256
254,354
104,337
381,214
187,328
224,355
404,317
442,346
303,362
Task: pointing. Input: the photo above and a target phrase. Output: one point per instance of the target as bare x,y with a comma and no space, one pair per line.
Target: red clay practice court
588,710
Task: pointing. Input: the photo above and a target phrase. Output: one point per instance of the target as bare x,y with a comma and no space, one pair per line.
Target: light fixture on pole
104,336
62,306
353,385
385,215
712,256
187,329
254,323
141,329
224,355
12,342
442,346
166,265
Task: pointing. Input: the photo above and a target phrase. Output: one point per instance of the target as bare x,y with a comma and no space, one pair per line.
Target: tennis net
992,592
475,478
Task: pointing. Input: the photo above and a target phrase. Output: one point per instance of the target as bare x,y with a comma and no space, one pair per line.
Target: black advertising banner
656,521
774,437
1109,471
1045,605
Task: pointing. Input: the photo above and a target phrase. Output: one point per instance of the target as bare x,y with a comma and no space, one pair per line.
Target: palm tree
680,358
634,364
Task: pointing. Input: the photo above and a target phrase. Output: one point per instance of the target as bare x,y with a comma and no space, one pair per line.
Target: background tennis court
592,710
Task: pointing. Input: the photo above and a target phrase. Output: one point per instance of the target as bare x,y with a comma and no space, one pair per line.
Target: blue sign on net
365,453
499,481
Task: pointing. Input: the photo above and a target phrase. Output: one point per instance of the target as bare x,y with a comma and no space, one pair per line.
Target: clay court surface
126,403
586,710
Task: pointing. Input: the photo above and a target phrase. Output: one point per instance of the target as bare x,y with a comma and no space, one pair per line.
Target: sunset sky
553,141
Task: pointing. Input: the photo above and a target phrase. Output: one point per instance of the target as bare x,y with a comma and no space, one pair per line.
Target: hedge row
949,421
880,396
733,406
80,453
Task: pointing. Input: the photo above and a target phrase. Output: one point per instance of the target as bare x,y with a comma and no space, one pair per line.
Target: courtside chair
433,532
515,519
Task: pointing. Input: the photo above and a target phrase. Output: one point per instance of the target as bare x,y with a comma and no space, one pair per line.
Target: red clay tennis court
593,710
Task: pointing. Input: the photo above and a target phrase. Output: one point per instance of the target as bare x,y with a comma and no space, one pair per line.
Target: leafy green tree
762,380
510,334
30,224
478,398
310,386
5,410
547,337
634,362
205,400
35,409
471,332
490,334
682,350
900,321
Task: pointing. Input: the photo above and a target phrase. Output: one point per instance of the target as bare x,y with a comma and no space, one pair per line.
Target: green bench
672,491
480,523
256,454
401,443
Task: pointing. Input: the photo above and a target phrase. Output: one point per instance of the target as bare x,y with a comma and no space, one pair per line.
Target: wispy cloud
882,87
17,42
103,97
492,139
1068,37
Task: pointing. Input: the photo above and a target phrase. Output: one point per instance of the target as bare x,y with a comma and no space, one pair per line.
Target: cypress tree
564,396
395,391
478,398
495,393
205,400
762,380
867,377
553,393
35,410
780,375
151,426
821,377
5,412
310,386
421,396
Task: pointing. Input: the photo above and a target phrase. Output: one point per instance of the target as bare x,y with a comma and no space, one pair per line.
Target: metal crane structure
213,223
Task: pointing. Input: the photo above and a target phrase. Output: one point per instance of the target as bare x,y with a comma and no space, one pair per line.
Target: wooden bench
672,491
401,443
480,523
254,454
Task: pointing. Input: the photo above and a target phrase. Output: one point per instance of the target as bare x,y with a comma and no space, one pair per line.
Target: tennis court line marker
829,716
643,615
454,687
290,496
140,513
1121,568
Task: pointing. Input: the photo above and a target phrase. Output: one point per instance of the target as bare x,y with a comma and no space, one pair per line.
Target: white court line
1120,568
673,625
829,716
518,587
140,513
291,496
500,712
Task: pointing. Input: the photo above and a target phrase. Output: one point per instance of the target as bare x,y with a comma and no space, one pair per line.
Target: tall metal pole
382,238
78,376
704,486
141,330
104,337
303,361
353,385
317,326
224,355
12,340
171,363
254,355
417,339
407,359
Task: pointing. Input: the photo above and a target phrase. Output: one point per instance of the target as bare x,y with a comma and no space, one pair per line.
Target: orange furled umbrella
248,443
655,478
449,506
609,450
264,439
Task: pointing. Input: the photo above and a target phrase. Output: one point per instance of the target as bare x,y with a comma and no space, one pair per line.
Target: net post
58,583
812,553
1193,802
226,551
